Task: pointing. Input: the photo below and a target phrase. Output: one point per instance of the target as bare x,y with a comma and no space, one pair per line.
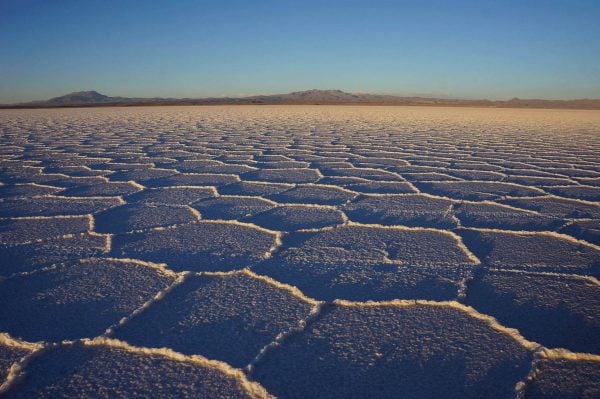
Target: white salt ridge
16,373
14,353
180,278
282,336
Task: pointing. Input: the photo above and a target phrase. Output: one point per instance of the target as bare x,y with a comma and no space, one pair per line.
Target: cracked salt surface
377,350
111,369
371,262
75,300
409,210
214,251
141,216
201,246
552,309
192,319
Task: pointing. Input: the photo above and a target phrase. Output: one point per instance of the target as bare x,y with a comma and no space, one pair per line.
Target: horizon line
242,96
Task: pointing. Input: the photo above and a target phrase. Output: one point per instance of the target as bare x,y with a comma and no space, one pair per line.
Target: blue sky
462,48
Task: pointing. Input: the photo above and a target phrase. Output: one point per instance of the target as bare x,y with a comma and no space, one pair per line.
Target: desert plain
300,252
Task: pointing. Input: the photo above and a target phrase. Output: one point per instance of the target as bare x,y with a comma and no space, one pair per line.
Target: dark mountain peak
80,97
318,92
319,95
88,93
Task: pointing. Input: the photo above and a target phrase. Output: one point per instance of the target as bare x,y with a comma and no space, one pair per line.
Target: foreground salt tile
141,175
56,205
36,255
30,229
529,173
588,193
229,317
106,189
344,181
281,165
177,195
271,158
589,181
564,375
552,309
78,299
297,217
372,263
254,188
51,179
477,190
558,207
193,179
141,216
300,175
429,176
375,161
475,165
202,246
232,207
543,251
538,181
491,215
569,170
381,187
209,166
76,171
397,349
315,194
121,166
588,230
69,182
365,173
409,210
26,190
487,175
113,369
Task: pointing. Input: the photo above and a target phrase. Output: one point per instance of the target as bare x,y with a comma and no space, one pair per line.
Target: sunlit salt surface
300,251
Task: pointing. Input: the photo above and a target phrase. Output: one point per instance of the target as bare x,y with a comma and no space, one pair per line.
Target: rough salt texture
229,318
112,372
422,351
530,251
371,263
407,210
556,310
202,246
77,300
141,216
565,379
206,218
297,217
33,256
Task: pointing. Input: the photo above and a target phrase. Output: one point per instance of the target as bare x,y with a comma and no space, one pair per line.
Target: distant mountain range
95,99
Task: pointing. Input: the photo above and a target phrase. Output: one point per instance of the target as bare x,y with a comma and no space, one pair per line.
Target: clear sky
459,48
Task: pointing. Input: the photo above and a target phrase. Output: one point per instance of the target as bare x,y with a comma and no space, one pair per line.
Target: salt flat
299,251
